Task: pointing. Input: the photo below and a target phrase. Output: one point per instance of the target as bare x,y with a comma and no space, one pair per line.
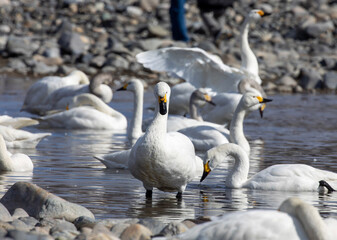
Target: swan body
279,177
203,70
38,93
16,138
295,220
60,98
18,162
86,111
17,122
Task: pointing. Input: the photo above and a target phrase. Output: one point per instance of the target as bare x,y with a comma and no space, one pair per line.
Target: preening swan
16,138
17,122
18,162
38,93
280,177
60,98
207,136
295,220
203,70
86,111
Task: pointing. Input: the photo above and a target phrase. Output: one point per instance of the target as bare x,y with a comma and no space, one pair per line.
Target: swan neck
5,160
195,113
239,173
249,61
237,135
135,127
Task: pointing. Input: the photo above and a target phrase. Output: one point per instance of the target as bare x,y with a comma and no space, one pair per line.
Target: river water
295,129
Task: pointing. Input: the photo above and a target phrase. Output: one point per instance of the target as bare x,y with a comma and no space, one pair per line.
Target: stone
17,234
39,203
173,228
20,46
62,225
133,11
3,42
18,65
150,43
101,232
287,81
19,213
158,31
43,69
73,43
4,214
83,221
154,225
330,80
29,221
310,79
5,29
117,61
136,232
149,5
98,61
20,225
317,29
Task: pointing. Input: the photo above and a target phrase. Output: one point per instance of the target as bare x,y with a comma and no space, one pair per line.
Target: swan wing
194,65
18,122
116,160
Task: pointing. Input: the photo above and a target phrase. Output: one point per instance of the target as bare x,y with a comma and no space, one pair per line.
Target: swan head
162,92
252,101
256,14
98,86
81,75
133,86
199,98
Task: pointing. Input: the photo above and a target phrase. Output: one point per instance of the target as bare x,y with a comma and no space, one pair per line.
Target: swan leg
179,195
148,194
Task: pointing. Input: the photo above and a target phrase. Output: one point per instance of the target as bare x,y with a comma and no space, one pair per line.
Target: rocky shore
32,213
295,45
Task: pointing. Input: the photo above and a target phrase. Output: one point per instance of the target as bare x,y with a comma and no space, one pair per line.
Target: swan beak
162,105
261,13
208,99
264,101
207,170
123,88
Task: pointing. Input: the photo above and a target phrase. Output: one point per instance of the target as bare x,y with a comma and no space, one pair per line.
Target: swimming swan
206,137
86,111
17,138
38,93
17,122
61,97
203,70
295,220
18,162
279,177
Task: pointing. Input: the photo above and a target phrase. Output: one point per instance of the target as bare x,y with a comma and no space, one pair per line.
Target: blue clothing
177,16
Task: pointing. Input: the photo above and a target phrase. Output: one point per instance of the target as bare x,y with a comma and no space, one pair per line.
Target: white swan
18,162
86,111
295,220
16,138
38,93
203,70
205,137
60,98
281,177
17,122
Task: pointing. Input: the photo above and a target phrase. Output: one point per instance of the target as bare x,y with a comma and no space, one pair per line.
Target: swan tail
111,164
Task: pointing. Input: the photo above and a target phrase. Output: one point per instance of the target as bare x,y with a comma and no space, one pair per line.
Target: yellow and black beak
264,101
261,13
207,170
123,88
208,99
162,105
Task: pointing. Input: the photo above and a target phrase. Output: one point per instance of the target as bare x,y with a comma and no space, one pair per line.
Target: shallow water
295,129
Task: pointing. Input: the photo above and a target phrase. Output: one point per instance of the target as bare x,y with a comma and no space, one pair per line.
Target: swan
205,137
18,162
16,138
295,220
38,93
203,70
279,177
86,111
17,122
61,97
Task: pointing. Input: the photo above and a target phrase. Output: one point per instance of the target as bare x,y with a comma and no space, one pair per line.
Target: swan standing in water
17,122
18,162
38,93
279,177
86,111
295,220
206,137
16,138
203,70
61,97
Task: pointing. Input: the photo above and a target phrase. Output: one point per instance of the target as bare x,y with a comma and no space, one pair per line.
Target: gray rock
18,65
317,29
174,228
134,11
151,43
103,232
330,80
149,5
62,225
44,69
310,79
19,213
29,221
20,46
117,61
3,42
39,203
73,43
52,52
4,214
98,61
20,225
81,222
18,235
5,29
287,81
158,31
136,232
154,225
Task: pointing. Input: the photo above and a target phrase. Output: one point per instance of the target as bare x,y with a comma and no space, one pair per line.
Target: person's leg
177,16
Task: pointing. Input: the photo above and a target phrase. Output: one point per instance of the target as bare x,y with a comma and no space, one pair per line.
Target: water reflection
295,129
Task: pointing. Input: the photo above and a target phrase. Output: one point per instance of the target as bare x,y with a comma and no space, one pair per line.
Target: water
295,129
